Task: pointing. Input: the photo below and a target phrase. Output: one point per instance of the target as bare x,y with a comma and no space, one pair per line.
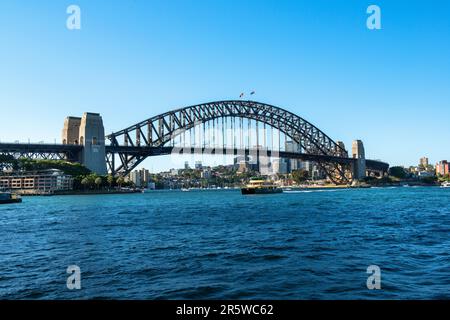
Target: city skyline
384,87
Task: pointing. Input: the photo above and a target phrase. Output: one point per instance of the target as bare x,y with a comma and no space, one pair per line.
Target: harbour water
222,245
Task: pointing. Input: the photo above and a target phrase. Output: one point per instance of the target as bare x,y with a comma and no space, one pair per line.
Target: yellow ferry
260,186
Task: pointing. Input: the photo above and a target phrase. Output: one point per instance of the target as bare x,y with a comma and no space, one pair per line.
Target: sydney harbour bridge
248,129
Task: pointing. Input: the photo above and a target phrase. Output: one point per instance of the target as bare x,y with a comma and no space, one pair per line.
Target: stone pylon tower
71,130
89,132
359,169
92,137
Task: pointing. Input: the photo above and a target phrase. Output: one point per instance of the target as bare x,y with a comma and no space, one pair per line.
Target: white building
46,181
198,165
135,177
206,174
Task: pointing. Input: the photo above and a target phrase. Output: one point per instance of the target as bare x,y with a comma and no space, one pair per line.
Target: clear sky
135,59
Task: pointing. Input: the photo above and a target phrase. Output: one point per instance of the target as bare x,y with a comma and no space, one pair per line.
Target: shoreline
285,188
77,193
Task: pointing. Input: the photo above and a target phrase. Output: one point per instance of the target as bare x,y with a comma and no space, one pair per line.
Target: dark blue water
221,245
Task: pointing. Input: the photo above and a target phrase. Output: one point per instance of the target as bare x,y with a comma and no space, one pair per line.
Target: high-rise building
292,164
279,166
145,176
186,165
135,177
140,178
442,168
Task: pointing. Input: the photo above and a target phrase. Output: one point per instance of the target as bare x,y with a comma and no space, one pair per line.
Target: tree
98,182
73,169
110,179
86,182
300,176
397,172
8,161
120,181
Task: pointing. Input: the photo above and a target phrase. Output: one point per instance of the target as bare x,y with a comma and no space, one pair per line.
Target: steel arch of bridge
159,130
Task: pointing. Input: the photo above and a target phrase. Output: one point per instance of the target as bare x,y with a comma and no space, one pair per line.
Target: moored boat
8,197
260,186
445,184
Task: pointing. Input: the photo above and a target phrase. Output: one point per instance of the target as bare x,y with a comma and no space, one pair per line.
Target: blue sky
135,59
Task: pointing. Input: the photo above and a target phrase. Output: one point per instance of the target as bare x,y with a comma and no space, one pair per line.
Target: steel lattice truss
39,156
41,151
158,131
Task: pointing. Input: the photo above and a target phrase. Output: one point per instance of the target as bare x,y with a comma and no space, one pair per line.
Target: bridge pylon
88,132
359,166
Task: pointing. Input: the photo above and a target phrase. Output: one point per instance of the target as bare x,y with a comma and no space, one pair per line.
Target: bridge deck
155,151
71,152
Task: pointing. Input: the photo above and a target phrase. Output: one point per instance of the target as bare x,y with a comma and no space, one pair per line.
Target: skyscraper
292,164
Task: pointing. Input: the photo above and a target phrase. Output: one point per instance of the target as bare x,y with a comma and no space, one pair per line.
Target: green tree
86,183
397,172
300,176
98,182
120,181
8,161
430,168
73,169
110,179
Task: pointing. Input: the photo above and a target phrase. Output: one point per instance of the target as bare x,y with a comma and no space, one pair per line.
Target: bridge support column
359,166
92,137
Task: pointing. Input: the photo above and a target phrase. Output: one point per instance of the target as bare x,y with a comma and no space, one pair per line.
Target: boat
260,186
185,189
8,197
445,184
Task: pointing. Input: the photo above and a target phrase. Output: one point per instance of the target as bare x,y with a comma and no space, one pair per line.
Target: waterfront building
424,174
442,168
145,176
186,165
140,178
46,181
136,178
